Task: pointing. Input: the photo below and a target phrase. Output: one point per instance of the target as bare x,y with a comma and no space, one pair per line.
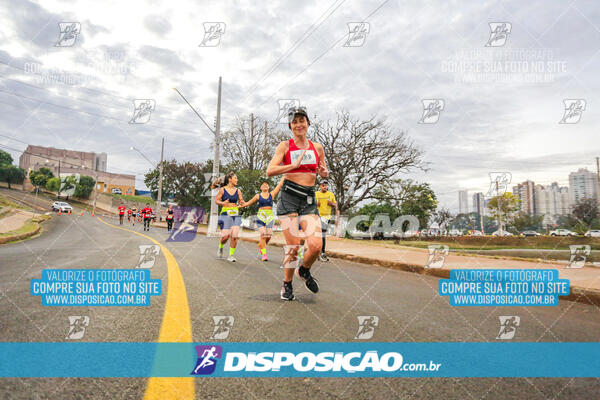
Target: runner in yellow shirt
325,203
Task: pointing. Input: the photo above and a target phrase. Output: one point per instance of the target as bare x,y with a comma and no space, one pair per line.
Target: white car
117,191
501,233
475,233
403,235
454,232
61,206
593,233
562,232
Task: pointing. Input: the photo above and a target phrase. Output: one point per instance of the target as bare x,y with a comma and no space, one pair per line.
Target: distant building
526,193
479,205
76,162
551,201
463,202
583,184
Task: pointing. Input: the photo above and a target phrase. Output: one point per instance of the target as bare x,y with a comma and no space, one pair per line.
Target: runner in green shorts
230,199
265,217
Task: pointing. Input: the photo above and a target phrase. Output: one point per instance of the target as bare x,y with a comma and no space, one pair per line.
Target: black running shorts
289,203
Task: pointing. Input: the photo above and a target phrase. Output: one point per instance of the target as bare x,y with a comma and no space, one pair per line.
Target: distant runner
121,209
325,202
229,198
147,216
265,217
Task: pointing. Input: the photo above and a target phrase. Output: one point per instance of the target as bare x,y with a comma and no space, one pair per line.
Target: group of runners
145,215
303,213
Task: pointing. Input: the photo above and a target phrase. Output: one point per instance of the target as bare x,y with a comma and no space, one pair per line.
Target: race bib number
309,157
169,216
232,212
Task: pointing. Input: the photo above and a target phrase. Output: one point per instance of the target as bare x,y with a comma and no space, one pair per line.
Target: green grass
492,243
29,226
5,202
4,210
139,199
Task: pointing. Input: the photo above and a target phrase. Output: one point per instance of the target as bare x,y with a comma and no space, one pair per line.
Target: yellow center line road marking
176,327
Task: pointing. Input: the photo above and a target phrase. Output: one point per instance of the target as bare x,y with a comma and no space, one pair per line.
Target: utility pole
500,230
59,182
212,222
160,178
598,177
481,204
96,188
252,140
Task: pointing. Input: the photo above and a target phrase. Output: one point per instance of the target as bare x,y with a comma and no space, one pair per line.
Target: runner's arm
275,167
252,201
275,191
242,202
218,199
322,167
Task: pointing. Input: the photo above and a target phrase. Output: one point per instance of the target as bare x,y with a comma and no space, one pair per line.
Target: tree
40,177
465,222
411,198
443,216
186,181
247,148
11,174
586,212
363,155
373,209
5,158
523,221
504,207
84,187
53,184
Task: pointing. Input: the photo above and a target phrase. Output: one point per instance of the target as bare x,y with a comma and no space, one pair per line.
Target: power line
299,41
322,54
88,112
128,100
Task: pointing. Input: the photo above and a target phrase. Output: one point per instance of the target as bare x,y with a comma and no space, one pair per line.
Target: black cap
292,112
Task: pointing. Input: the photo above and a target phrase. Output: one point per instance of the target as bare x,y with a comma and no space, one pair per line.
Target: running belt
298,190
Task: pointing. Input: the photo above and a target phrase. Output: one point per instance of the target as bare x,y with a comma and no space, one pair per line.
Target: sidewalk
15,220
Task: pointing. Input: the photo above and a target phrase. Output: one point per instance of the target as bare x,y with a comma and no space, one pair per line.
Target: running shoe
231,258
220,252
309,281
264,257
323,257
287,292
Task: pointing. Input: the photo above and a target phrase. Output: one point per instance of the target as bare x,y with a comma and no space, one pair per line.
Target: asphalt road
407,305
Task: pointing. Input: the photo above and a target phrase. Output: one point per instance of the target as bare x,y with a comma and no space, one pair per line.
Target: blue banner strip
333,359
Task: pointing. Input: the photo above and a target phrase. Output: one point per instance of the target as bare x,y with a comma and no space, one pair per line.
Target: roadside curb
577,294
21,236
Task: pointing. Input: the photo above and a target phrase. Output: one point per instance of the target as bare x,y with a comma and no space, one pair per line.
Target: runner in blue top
230,199
265,217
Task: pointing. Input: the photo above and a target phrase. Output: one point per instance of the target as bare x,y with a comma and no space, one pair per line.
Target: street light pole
212,223
59,182
160,178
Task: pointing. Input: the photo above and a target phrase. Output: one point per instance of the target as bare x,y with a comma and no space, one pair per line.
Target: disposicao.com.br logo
326,363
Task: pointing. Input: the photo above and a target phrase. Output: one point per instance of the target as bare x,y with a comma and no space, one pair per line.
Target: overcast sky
502,103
